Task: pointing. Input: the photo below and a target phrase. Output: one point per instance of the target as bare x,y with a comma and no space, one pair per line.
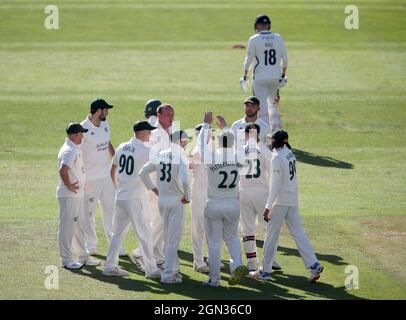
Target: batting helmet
151,106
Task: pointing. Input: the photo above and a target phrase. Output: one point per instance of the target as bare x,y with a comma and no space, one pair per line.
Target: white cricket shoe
90,261
137,260
175,279
208,283
203,269
115,272
260,275
316,269
73,265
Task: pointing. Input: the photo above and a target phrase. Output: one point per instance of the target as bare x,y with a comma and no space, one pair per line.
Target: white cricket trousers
70,234
156,229
197,227
173,217
99,190
221,218
252,206
133,212
265,90
294,223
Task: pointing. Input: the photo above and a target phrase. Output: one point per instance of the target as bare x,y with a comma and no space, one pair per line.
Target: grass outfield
344,108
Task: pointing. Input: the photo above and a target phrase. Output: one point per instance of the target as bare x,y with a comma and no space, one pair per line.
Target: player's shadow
322,161
331,258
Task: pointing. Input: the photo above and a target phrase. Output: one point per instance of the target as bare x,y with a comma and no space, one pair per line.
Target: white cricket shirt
255,172
172,180
129,158
283,191
268,50
95,148
239,130
70,155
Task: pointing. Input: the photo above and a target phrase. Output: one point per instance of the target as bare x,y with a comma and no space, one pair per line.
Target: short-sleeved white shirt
95,148
70,155
129,158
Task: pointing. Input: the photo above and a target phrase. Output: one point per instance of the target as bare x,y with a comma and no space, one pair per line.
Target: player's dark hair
178,135
226,140
277,144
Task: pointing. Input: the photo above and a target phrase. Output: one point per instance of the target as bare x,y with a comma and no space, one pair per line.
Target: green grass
344,108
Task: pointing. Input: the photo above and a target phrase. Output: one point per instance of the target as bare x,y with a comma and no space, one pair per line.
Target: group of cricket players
236,180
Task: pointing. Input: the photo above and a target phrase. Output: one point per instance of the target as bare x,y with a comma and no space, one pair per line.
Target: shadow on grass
331,258
280,286
310,158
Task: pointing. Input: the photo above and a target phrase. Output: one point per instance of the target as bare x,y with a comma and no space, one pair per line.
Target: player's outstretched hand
221,122
155,190
73,186
208,117
267,215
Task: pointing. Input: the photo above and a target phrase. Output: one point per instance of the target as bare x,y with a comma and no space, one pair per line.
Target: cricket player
97,153
150,111
252,107
282,205
131,201
271,62
197,204
69,193
173,191
254,191
222,210
159,140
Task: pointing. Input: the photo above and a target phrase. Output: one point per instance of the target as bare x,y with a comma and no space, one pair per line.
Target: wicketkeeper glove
243,84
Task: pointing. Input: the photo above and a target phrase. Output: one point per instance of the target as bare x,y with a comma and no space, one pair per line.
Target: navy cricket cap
252,126
75,127
263,18
280,135
142,125
99,103
252,99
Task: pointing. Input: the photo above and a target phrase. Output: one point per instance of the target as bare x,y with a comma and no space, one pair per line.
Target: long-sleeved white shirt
270,54
199,175
283,191
221,167
172,180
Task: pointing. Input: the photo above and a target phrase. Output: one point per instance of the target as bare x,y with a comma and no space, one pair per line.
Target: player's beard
103,118
251,115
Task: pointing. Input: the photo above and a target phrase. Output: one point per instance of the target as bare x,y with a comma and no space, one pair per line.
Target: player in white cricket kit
197,204
271,62
150,111
131,201
69,193
222,210
254,190
282,205
158,141
97,153
173,190
252,107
